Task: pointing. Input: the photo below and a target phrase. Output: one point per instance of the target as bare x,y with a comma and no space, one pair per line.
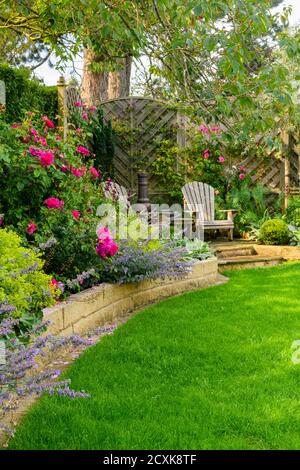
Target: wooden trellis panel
147,122
281,173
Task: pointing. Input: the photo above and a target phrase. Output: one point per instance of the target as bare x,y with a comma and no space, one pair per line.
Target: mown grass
210,369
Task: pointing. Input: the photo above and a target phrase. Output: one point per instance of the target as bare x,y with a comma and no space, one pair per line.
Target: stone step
234,252
243,262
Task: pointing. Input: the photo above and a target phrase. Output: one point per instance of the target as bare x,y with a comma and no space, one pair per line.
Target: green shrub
24,288
24,93
274,232
292,215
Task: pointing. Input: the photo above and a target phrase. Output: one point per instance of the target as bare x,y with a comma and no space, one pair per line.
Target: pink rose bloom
15,126
31,228
76,214
101,250
107,247
54,203
83,150
34,152
95,173
78,172
93,108
48,123
242,176
25,140
54,282
221,159
85,116
216,129
206,153
204,129
78,130
42,141
64,168
33,131
112,248
77,104
103,233
46,158
57,137
242,168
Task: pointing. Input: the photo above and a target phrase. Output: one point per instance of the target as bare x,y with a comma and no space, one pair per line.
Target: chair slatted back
116,192
200,197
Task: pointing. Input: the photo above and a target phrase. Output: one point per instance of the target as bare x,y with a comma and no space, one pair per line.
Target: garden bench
199,199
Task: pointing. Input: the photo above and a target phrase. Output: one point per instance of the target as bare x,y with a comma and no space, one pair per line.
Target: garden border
106,302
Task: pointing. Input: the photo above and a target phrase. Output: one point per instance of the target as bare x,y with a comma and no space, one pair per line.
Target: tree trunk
103,86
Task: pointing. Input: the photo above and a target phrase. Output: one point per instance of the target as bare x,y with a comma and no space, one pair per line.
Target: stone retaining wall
288,253
98,305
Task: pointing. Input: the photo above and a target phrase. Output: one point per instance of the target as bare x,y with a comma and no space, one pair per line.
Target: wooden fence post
285,137
62,105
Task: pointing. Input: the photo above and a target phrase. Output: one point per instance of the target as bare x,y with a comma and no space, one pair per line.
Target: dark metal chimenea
143,189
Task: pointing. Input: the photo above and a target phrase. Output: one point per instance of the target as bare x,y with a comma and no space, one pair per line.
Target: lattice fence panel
145,123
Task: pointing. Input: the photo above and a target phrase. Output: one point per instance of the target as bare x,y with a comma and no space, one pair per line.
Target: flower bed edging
98,305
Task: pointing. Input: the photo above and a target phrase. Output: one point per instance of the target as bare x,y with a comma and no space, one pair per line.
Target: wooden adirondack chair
199,198
116,192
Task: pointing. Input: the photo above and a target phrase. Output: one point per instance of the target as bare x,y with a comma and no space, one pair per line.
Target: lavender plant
134,262
21,375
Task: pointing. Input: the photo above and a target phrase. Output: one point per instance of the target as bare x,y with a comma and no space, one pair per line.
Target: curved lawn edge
210,369
101,304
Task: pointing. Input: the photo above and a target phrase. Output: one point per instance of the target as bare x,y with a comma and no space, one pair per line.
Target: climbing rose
215,129
78,172
31,228
76,214
77,104
93,108
242,176
85,116
242,168
50,124
33,131
95,173
54,203
83,150
46,158
204,129
221,159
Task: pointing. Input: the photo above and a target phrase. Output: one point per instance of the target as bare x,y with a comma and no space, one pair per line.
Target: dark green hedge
24,93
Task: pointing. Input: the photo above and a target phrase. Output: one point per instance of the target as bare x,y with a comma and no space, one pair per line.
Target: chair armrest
228,210
231,213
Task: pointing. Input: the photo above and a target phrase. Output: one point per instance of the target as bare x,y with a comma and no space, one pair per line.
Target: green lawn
210,369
